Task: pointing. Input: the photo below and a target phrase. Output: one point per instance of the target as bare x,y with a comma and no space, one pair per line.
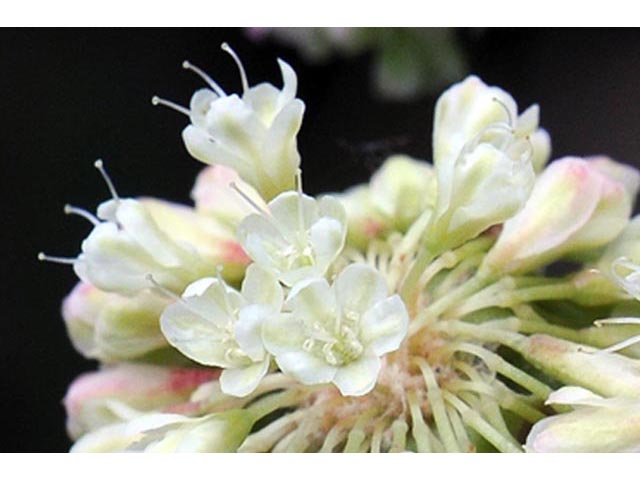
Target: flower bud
255,133
214,195
93,398
467,108
402,189
168,433
607,374
573,208
626,245
364,221
595,425
111,327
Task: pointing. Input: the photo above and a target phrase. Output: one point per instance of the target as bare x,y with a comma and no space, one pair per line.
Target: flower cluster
412,313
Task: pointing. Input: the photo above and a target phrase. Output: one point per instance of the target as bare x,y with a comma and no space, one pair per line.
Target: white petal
358,287
294,213
248,329
193,336
262,286
306,368
384,326
283,334
314,302
327,237
241,381
358,377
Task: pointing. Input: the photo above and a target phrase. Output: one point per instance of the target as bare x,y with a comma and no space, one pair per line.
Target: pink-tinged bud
573,208
626,174
216,193
364,221
111,327
596,424
99,398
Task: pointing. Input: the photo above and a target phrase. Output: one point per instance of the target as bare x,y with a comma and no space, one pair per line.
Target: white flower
596,424
254,133
483,161
338,333
128,245
297,237
216,325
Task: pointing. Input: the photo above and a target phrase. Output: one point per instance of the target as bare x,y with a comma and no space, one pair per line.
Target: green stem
480,425
434,395
500,365
266,405
419,428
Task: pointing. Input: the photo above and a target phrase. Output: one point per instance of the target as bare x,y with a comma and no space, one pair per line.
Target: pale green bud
165,433
402,189
110,327
573,208
607,374
364,221
596,424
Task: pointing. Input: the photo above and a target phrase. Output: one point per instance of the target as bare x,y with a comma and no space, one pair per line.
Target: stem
500,365
399,429
434,395
266,405
409,289
419,428
482,333
480,425
264,439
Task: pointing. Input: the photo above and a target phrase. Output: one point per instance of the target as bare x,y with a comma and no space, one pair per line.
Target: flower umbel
419,312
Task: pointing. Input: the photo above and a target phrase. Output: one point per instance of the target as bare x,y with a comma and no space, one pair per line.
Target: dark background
68,97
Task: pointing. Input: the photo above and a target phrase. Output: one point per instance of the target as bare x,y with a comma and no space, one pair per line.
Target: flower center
336,344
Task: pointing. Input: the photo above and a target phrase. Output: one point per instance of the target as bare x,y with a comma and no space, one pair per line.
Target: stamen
621,345
81,212
100,166
617,321
243,75
156,100
164,289
504,106
214,86
61,260
248,199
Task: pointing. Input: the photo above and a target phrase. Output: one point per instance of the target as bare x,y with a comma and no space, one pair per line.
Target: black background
68,97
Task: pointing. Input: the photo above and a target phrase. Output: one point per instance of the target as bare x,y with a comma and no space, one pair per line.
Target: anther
100,166
81,212
156,100
243,75
209,81
61,260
